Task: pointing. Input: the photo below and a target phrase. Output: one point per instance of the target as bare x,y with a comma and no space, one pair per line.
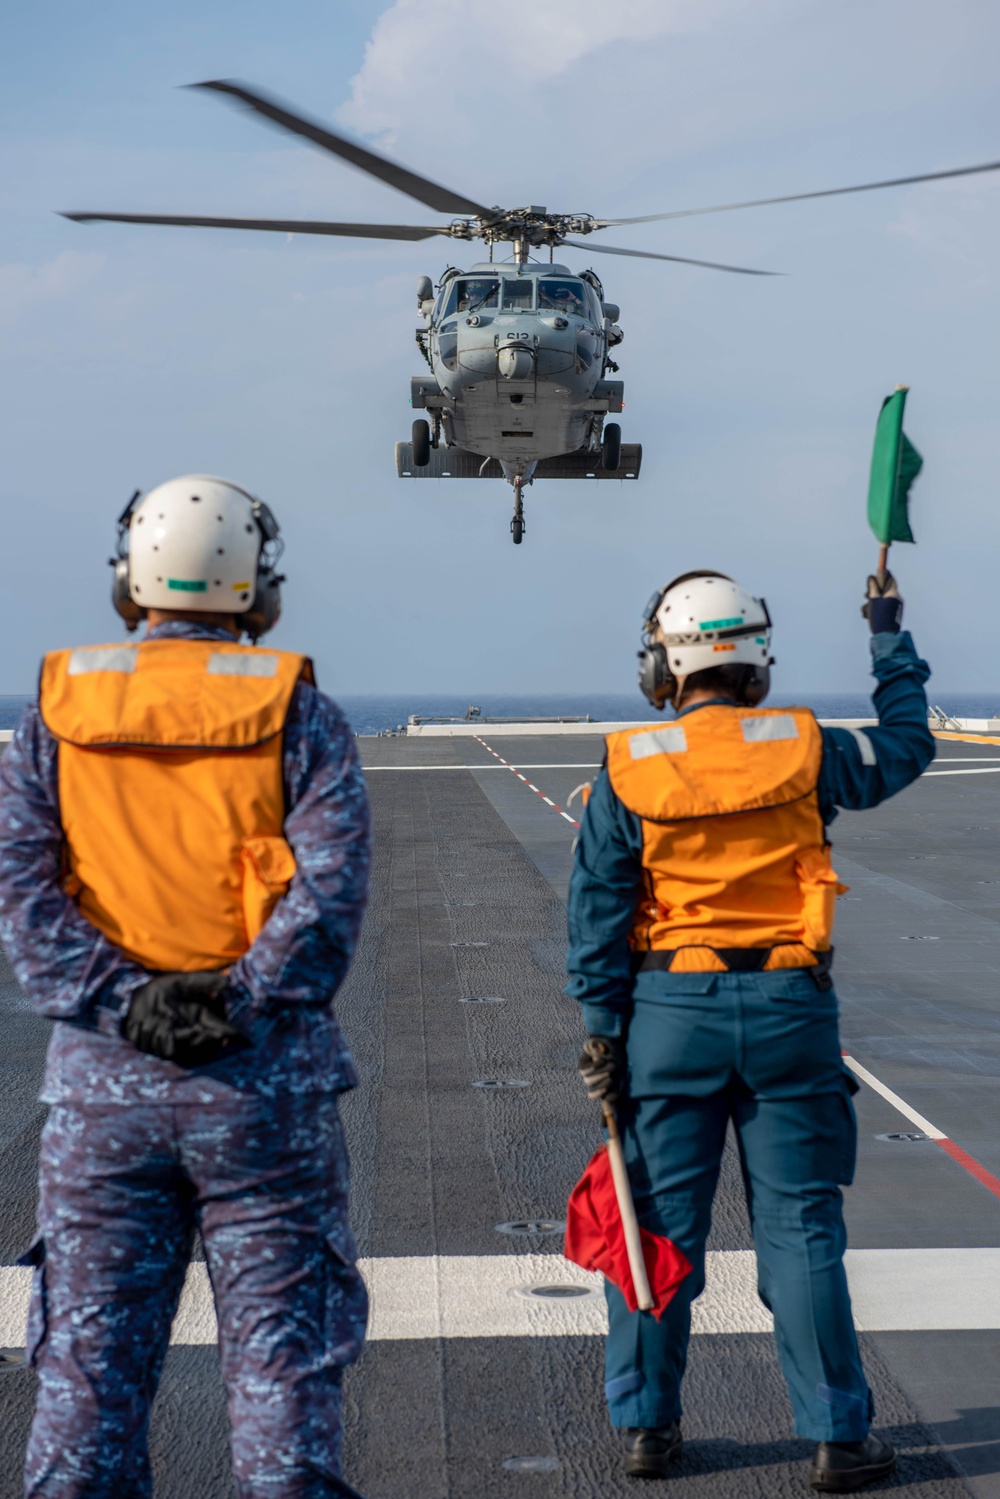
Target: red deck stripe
529,784
972,1166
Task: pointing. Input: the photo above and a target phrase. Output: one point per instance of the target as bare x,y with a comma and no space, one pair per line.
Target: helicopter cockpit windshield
562,296
518,296
469,294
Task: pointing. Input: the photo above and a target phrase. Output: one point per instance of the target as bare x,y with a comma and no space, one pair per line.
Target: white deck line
924,1125
482,1296
985,770
573,765
977,770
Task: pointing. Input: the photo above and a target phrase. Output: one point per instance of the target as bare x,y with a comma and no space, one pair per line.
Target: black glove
181,1017
883,608
602,1067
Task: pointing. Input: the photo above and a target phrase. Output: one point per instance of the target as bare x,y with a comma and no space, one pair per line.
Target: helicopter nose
515,362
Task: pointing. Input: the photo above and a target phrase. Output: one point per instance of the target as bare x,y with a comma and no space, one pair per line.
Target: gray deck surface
475,856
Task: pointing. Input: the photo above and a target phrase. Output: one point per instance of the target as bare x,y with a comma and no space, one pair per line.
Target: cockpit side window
472,292
568,297
518,296
448,300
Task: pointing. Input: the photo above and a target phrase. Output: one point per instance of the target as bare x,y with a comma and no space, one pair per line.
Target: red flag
595,1239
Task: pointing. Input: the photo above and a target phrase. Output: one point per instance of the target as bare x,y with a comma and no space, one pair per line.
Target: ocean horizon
380,713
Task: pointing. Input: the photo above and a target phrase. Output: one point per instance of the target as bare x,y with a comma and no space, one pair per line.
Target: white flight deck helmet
198,543
699,621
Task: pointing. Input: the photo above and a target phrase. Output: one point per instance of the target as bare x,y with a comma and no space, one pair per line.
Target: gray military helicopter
518,351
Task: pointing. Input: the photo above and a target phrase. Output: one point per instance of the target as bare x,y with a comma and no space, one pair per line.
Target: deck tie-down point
527,1228
482,999
530,1464
558,1292
906,1136
496,1083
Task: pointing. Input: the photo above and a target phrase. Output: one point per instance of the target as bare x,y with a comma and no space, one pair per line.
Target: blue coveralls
762,1049
137,1152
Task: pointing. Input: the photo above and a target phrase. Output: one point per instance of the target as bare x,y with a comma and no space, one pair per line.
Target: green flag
895,465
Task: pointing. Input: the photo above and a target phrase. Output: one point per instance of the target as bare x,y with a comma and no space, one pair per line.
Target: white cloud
23,286
422,49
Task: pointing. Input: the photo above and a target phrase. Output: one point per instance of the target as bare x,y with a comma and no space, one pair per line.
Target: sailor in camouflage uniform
184,852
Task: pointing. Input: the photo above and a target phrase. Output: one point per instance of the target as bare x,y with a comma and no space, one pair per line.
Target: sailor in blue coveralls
700,919
204,1097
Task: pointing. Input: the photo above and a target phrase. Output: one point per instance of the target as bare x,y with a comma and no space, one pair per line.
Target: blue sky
129,354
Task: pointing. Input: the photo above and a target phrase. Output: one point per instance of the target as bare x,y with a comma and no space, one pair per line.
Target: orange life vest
171,792
734,851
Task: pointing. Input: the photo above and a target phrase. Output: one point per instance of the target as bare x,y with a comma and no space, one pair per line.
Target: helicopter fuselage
518,354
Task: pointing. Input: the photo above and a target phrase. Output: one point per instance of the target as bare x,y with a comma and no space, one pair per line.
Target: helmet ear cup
266,610
121,592
656,681
121,596
756,685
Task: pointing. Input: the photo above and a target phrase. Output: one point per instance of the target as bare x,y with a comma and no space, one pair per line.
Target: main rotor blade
440,198
710,265
289,226
829,192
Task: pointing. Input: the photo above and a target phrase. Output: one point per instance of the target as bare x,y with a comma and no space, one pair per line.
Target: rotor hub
523,226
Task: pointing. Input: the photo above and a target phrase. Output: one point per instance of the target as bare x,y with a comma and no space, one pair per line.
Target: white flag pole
626,1207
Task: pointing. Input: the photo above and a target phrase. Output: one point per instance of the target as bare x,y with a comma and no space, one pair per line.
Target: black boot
649,1453
839,1467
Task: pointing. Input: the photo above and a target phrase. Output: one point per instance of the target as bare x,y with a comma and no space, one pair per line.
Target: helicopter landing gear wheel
517,523
611,446
421,446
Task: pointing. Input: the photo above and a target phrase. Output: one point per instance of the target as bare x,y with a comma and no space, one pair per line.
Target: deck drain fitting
561,1291
530,1464
495,1084
529,1228
906,1137
482,999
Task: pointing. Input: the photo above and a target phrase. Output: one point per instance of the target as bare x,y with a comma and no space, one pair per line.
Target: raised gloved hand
602,1067
883,607
181,1017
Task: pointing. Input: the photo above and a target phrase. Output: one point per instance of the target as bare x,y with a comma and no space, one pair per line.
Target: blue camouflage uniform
762,1049
138,1152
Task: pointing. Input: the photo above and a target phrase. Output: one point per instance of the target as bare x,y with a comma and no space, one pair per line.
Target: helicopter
518,351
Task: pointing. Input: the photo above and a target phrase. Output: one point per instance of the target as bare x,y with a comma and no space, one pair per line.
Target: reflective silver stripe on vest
868,756
668,741
236,664
103,658
774,726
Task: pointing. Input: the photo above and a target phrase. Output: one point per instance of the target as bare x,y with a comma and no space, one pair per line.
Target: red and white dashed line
966,1161
530,784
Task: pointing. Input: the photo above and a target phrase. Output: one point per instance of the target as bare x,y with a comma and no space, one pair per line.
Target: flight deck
483,1372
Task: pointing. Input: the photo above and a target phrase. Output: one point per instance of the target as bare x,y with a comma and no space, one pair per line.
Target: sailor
700,922
184,851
